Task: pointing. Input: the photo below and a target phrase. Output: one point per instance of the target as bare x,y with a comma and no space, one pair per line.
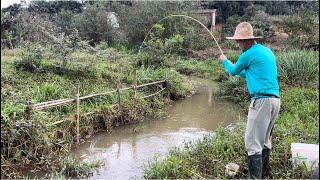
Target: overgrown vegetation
126,22
49,48
299,68
46,137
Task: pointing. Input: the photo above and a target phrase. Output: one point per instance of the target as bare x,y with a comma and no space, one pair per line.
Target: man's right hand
222,57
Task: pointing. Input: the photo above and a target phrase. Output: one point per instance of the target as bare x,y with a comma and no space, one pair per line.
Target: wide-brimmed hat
243,31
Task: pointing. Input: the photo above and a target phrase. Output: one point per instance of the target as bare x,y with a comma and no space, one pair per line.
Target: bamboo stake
119,98
156,82
97,94
48,102
58,122
78,116
135,83
38,108
28,110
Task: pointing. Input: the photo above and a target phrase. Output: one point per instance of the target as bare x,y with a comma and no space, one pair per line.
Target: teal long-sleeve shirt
259,68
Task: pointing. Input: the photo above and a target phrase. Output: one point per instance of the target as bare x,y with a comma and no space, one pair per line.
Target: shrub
263,28
158,52
178,88
233,56
31,60
299,122
303,28
139,16
197,39
295,98
75,169
219,74
235,90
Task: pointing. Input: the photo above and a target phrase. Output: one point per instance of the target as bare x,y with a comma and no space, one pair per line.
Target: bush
235,90
139,17
219,73
158,52
76,169
296,99
178,88
262,28
197,39
26,144
31,60
303,28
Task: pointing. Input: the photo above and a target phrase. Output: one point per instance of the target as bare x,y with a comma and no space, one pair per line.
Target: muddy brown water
128,149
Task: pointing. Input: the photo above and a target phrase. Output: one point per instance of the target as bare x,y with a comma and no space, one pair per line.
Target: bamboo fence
61,102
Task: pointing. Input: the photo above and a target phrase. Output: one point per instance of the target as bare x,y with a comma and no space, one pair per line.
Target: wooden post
213,20
135,83
212,13
167,87
28,110
119,97
119,102
78,115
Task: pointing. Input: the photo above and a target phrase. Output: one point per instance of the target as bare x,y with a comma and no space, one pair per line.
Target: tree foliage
92,19
303,27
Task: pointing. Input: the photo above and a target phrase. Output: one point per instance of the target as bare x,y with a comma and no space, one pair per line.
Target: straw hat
244,30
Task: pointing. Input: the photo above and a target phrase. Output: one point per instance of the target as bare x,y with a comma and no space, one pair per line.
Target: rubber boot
266,171
255,166
315,174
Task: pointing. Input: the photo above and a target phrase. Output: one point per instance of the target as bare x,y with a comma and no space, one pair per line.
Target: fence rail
61,102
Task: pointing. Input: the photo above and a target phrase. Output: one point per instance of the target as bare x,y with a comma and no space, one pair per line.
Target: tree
303,28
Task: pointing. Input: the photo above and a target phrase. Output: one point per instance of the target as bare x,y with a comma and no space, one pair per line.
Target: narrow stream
127,150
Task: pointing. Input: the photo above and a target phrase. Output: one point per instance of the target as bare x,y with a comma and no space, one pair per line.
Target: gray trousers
261,119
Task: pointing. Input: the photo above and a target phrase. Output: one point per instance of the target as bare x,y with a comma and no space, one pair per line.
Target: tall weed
298,68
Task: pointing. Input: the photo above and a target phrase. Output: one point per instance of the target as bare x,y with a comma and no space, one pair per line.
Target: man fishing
257,64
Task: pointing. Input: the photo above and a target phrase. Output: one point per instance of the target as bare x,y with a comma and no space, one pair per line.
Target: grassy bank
36,74
298,122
